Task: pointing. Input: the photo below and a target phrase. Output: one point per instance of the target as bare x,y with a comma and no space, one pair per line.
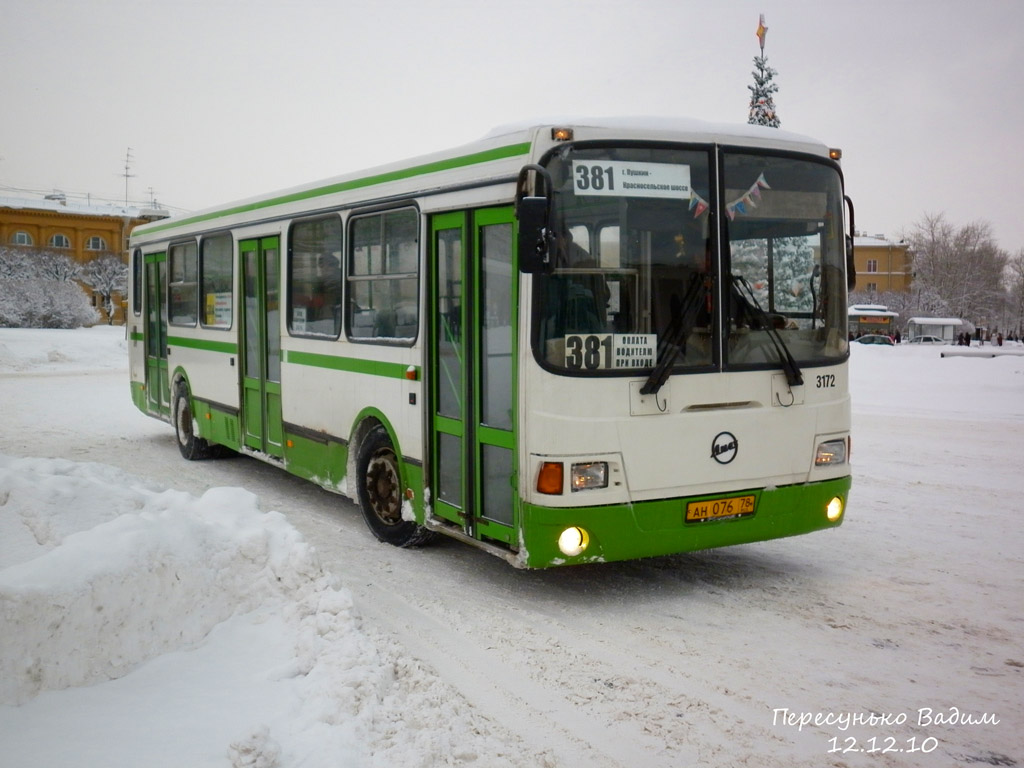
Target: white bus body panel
669,454
328,401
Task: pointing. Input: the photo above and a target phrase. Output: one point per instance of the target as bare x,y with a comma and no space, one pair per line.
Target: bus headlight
834,509
593,474
830,453
573,541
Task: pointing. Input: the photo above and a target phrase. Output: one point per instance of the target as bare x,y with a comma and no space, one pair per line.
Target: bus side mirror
851,265
533,209
534,250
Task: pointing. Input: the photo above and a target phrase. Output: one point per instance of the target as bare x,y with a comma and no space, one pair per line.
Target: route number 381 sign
610,351
619,178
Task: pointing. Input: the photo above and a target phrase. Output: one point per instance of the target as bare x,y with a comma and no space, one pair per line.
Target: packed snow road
894,640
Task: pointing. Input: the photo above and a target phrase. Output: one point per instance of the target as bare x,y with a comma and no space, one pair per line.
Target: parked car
928,340
873,338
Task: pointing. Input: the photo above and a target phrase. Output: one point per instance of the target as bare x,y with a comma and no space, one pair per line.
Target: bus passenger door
260,344
157,383
472,371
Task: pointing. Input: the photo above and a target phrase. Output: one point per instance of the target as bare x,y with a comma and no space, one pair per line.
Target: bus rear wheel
191,446
381,493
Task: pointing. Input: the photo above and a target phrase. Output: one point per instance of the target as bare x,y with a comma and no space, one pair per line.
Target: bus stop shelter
871,318
945,328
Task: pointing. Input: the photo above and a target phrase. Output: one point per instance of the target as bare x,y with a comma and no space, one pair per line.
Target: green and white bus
565,343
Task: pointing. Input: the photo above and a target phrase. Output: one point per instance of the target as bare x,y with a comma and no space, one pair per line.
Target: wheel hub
382,486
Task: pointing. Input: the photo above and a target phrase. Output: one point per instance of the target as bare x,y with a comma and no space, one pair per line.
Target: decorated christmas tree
762,105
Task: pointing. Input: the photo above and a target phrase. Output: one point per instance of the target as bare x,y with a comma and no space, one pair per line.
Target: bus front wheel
192,446
381,493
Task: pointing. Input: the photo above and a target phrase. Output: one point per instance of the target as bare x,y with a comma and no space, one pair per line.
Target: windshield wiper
674,335
789,365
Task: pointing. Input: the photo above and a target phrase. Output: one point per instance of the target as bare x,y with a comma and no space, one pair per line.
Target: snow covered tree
762,103
762,106
38,290
792,271
1016,291
51,265
16,263
793,259
107,275
962,266
39,303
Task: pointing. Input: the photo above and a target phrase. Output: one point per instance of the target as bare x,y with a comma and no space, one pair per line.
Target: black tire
192,446
381,493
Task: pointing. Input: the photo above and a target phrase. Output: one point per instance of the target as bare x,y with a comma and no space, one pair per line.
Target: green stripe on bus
227,347
499,153
352,364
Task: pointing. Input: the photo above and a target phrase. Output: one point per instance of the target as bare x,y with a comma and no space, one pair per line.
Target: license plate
713,509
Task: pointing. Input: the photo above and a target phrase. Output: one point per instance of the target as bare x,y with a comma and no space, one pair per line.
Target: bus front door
158,390
260,344
472,371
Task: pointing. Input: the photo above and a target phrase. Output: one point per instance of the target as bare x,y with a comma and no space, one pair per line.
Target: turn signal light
550,479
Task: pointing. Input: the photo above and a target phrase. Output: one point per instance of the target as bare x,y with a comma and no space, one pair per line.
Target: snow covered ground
152,612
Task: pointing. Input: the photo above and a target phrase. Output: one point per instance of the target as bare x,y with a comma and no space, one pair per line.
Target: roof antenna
127,174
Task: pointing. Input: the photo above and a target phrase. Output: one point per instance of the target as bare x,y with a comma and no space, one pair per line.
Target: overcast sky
224,99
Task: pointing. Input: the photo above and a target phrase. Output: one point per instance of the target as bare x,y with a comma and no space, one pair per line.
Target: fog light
573,541
834,509
830,453
593,474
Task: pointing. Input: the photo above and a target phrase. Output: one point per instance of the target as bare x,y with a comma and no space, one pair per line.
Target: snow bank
208,620
36,350
159,573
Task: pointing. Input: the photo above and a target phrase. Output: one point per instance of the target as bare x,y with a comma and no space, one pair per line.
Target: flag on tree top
762,30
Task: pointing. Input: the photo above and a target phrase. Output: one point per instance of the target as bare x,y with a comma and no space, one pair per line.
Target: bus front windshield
643,275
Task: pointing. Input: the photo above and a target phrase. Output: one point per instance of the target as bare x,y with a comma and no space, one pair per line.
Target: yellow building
82,231
883,266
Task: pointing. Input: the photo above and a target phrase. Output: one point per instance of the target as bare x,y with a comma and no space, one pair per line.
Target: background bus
562,344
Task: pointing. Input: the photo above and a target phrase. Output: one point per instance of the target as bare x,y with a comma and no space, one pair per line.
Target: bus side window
314,277
383,276
215,281
183,301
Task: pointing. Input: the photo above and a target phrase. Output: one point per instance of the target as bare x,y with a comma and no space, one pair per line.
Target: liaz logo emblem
724,447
